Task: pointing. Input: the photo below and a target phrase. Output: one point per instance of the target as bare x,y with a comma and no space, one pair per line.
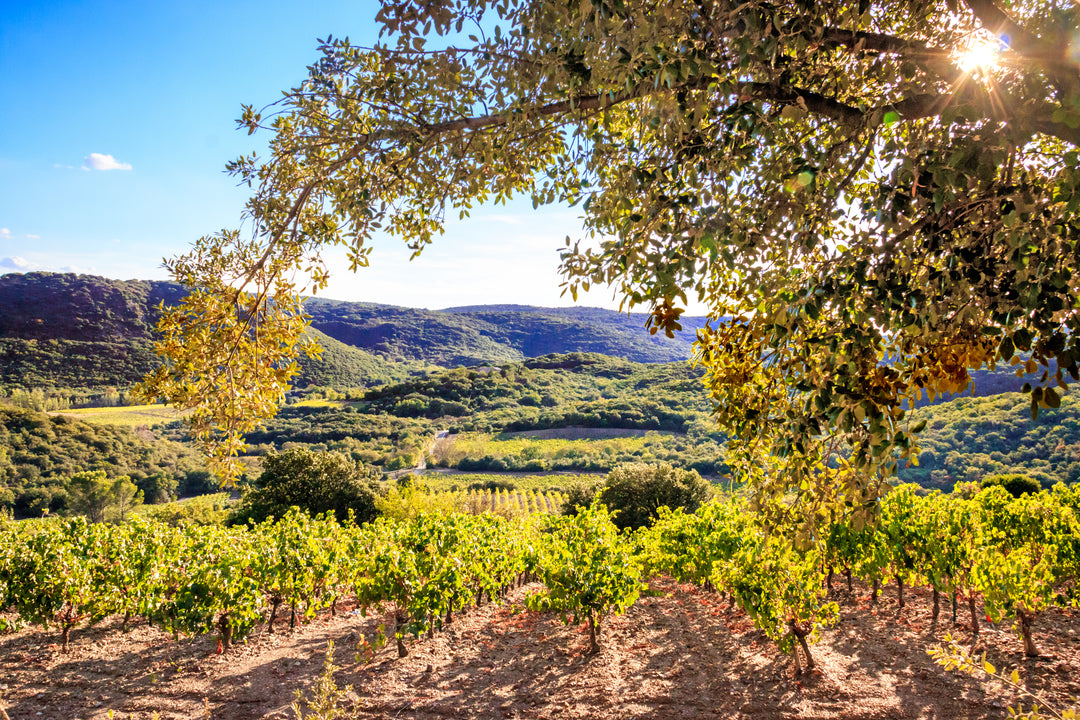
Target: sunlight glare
979,56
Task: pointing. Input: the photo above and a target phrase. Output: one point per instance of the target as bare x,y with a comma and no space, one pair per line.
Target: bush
316,482
580,495
1015,484
634,492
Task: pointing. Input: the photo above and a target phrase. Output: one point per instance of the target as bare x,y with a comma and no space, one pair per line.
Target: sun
979,56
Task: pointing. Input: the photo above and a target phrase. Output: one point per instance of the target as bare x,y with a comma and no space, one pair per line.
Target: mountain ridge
67,330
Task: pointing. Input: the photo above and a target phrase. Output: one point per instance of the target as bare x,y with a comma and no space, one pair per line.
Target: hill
91,333
969,438
495,334
83,331
38,451
499,419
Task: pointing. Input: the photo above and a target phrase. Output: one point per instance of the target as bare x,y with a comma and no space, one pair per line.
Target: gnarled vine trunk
399,633
1027,619
800,632
594,645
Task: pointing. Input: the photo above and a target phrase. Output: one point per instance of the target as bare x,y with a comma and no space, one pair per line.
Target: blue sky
117,120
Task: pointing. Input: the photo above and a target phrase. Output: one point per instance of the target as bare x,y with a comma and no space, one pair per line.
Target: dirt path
680,653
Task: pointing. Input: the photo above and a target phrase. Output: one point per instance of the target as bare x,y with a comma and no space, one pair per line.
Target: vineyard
967,554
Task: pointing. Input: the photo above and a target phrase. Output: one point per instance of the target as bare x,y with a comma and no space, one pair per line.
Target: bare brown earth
678,653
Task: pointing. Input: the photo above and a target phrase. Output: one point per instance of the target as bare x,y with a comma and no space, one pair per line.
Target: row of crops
501,500
1018,555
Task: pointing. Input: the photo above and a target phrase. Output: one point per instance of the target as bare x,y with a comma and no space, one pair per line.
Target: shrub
579,494
634,492
316,482
1015,484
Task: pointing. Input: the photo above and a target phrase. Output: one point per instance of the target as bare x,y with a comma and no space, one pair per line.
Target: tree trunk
333,607
292,616
399,633
594,646
847,574
1026,620
124,625
954,594
874,591
899,594
65,634
937,605
800,634
828,580
226,632
274,605
449,616
974,615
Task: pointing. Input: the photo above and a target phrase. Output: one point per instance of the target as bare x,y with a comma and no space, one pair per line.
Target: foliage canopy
316,482
870,213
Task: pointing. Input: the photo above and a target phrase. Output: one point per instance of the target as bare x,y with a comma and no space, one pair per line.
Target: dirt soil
680,652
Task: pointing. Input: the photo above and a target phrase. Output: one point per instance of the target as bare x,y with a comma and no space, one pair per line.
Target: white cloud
98,161
33,237
5,234
19,264
16,263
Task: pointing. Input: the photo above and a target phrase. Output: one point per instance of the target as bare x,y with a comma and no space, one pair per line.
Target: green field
129,415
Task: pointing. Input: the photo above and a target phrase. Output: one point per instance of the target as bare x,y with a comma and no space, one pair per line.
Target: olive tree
874,198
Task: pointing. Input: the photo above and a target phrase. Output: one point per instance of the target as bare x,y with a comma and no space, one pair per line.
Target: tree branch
1051,54
879,42
1005,27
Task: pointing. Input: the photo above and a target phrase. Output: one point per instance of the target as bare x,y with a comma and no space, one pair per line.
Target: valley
466,440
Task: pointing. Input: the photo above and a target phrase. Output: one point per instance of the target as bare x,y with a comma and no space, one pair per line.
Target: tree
635,492
874,198
91,494
1016,484
158,487
124,495
316,482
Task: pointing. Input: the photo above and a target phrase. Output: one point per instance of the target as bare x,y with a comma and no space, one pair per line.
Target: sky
117,119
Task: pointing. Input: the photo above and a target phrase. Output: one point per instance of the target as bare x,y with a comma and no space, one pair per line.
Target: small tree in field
90,494
635,492
316,482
